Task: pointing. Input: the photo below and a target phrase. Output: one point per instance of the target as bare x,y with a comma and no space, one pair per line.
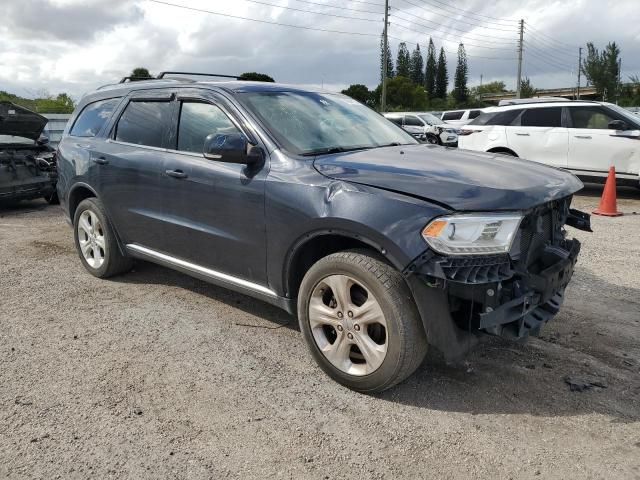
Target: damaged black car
27,162
315,203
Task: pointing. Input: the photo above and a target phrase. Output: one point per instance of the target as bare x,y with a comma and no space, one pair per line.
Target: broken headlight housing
471,234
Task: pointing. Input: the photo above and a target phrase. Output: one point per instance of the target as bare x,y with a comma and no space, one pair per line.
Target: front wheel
360,322
433,140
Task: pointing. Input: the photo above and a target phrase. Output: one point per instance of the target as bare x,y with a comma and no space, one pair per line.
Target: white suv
583,137
426,127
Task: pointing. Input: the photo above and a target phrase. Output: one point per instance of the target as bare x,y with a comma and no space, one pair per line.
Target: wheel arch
78,193
313,246
506,150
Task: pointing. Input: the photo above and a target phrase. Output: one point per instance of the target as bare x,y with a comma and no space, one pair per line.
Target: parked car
27,162
425,127
583,137
313,202
460,117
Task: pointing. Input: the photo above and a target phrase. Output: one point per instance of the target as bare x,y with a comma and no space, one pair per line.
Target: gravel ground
157,375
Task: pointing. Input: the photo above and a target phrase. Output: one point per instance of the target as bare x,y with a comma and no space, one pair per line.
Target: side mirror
42,140
232,148
618,125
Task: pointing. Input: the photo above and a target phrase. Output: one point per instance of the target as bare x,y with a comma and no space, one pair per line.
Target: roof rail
519,101
162,74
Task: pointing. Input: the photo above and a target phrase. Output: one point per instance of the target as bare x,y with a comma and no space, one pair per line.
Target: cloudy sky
76,45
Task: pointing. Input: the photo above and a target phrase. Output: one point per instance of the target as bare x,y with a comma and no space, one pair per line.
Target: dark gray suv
313,202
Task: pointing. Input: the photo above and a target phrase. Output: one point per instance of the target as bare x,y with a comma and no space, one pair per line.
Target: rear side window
452,115
497,118
474,114
93,117
197,121
411,121
144,123
542,117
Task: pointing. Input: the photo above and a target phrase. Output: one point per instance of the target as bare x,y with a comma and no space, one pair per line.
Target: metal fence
55,126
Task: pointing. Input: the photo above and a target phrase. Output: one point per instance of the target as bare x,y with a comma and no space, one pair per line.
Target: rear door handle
176,173
585,137
101,160
522,134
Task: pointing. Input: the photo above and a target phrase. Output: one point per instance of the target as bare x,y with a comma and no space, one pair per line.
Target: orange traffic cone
608,205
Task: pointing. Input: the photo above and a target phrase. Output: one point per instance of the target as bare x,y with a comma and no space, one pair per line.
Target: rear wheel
96,242
359,320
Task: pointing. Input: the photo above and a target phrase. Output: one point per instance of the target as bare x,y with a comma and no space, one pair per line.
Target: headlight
472,234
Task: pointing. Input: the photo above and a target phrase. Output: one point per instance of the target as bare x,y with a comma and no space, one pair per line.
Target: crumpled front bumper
539,298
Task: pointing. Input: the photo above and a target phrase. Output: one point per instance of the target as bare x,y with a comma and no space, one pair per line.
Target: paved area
157,375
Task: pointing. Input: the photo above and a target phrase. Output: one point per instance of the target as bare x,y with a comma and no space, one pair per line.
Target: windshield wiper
329,150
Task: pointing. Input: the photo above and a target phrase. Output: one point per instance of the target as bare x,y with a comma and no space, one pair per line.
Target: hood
458,179
20,122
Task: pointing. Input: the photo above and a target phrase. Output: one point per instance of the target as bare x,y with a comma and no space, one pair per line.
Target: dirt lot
157,375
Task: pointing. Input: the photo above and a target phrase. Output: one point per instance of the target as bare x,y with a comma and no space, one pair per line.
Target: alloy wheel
91,239
348,325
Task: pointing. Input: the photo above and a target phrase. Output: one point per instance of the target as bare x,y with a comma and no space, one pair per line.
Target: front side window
452,115
144,123
311,123
411,121
197,121
590,117
542,117
93,117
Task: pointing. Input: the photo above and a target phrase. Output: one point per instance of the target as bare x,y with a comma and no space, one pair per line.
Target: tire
372,281
52,199
94,236
433,140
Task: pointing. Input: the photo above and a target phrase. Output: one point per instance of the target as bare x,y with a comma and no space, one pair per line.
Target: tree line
418,84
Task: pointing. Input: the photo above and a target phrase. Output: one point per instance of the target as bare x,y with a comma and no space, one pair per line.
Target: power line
551,38
464,32
458,21
550,55
312,12
546,60
339,7
210,12
468,13
447,40
451,52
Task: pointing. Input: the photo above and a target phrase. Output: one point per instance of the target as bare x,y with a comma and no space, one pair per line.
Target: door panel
594,147
214,214
130,168
538,135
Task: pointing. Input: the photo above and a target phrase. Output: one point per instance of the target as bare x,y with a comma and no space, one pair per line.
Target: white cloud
77,45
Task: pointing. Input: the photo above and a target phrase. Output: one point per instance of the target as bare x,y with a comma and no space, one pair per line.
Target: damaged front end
511,294
27,162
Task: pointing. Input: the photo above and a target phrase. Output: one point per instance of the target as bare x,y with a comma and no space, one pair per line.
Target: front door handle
101,161
585,137
522,134
176,173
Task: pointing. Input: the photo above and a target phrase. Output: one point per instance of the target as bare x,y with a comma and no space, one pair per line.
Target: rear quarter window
93,117
497,118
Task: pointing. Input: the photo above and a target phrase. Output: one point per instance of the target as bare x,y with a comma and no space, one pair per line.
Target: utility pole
385,60
619,84
579,70
520,59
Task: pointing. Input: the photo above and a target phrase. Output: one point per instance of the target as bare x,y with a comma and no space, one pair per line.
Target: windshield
430,119
308,123
15,139
632,119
